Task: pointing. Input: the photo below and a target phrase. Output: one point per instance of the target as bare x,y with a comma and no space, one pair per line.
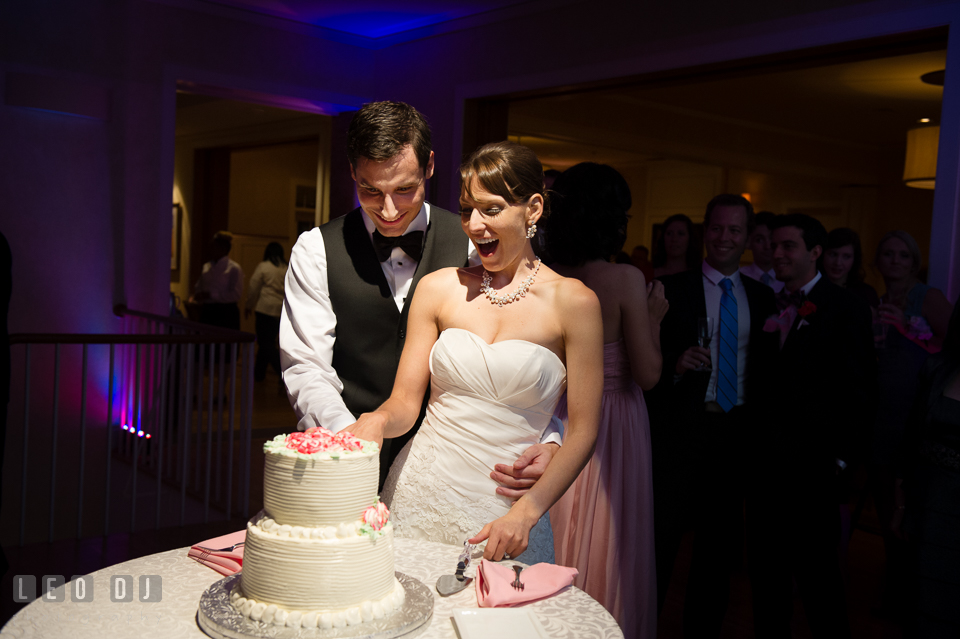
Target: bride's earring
531,231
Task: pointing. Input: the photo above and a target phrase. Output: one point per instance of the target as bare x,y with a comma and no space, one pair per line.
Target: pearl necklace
511,297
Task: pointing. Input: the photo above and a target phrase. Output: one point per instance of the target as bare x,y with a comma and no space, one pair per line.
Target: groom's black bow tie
785,298
411,243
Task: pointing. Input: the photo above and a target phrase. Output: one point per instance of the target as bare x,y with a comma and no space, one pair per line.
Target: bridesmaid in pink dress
603,525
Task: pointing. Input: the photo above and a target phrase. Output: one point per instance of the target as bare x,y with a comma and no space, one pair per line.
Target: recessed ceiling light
923,120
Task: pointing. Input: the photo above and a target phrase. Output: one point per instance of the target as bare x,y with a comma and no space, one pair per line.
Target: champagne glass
704,336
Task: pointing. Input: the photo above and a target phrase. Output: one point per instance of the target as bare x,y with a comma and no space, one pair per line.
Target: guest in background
817,411
703,406
759,245
926,496
676,250
265,297
640,257
603,525
220,286
842,263
911,323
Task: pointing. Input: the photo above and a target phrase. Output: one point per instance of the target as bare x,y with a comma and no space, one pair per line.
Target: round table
572,613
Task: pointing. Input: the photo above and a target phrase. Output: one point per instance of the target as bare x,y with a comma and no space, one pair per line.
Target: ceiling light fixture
920,167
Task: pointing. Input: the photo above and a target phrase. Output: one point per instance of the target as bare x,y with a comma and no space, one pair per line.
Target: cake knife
451,584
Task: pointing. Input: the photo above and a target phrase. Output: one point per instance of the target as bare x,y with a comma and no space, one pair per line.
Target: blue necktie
727,348
766,279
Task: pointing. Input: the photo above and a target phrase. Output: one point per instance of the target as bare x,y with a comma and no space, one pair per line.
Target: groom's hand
368,427
517,479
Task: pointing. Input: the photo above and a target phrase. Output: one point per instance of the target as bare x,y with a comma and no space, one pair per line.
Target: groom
817,415
350,283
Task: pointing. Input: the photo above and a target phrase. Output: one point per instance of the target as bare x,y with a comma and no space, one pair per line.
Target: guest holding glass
675,250
842,263
911,323
603,525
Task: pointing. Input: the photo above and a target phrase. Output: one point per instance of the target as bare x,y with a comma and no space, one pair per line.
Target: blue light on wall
377,24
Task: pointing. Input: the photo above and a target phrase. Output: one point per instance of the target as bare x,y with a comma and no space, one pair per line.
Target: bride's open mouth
486,246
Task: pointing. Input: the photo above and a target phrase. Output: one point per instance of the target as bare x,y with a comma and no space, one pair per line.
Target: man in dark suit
350,282
818,409
701,410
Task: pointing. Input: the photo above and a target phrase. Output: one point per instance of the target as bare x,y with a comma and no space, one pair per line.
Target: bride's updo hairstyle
589,220
506,169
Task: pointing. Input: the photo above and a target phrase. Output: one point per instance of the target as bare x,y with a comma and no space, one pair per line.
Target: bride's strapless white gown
488,404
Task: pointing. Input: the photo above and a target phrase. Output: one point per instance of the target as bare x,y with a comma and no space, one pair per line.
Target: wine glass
704,336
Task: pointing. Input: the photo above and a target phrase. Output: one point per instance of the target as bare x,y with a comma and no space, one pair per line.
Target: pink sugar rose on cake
376,516
317,439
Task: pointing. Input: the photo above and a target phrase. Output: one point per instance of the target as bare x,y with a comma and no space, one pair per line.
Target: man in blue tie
702,407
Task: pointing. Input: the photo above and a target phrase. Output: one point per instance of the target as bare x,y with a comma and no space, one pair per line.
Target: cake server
451,584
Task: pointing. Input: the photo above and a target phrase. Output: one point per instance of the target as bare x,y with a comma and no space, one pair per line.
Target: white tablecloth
572,614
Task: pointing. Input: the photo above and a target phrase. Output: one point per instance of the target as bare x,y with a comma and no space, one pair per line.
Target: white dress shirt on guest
265,294
712,293
755,272
222,279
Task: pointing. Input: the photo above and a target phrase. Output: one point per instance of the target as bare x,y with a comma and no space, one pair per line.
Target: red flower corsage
806,309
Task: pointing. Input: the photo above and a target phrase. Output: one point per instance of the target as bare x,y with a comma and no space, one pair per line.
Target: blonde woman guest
914,317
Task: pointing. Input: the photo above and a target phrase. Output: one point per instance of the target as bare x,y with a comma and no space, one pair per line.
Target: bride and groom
496,343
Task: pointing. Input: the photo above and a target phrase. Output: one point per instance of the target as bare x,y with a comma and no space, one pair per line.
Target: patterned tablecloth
573,613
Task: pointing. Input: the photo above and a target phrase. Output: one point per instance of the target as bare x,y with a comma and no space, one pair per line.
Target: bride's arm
398,414
579,314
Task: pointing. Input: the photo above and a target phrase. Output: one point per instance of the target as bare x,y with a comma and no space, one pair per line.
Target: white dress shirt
712,293
755,272
222,279
308,327
265,293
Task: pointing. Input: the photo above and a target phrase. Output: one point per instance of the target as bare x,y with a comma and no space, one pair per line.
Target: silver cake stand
221,620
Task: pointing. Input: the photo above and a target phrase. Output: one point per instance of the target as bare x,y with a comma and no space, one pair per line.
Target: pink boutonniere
806,309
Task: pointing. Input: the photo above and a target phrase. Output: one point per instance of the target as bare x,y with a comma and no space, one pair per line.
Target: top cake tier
316,479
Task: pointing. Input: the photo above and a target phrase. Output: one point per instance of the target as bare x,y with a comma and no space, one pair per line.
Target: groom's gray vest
370,330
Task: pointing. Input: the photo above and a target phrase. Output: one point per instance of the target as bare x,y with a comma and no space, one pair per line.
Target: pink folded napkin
224,562
539,581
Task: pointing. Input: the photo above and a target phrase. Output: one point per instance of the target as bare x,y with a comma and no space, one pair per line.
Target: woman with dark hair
676,250
497,343
842,263
603,525
265,297
911,323
927,502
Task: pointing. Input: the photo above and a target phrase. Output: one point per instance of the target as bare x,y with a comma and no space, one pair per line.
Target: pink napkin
539,581
226,563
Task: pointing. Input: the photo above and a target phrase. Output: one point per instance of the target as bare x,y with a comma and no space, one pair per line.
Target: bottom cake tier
324,577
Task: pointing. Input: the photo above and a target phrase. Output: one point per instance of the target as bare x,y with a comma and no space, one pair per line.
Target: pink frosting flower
318,439
376,516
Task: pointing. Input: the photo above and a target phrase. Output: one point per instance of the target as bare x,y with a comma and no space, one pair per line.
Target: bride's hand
369,427
508,535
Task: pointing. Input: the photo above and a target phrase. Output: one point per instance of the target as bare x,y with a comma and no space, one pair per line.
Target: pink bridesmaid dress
603,525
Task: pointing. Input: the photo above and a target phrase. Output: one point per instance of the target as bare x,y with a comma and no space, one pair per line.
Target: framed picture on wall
175,237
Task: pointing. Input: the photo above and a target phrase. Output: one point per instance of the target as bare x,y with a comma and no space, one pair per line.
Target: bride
498,343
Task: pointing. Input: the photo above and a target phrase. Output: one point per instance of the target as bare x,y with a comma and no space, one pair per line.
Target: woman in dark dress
928,496
842,263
